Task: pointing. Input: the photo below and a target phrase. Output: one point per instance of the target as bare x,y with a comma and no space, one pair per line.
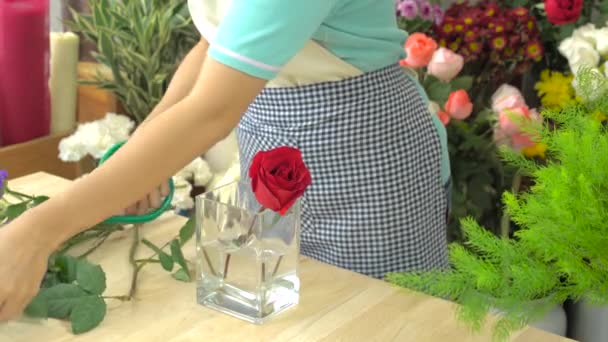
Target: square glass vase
247,258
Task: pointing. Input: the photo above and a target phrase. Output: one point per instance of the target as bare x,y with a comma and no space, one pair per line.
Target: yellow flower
538,150
555,89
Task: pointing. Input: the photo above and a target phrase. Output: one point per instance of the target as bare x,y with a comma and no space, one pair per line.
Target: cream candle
63,80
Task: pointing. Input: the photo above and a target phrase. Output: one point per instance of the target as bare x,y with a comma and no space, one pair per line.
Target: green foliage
141,42
559,251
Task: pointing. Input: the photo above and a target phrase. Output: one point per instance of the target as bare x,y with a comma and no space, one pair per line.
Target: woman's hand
152,200
23,263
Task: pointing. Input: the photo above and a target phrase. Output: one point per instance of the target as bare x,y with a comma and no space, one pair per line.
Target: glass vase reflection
247,258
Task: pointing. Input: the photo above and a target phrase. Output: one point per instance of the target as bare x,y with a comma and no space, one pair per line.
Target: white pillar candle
63,80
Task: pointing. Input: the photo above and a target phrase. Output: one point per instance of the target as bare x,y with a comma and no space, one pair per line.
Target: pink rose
512,128
445,64
458,105
420,49
507,96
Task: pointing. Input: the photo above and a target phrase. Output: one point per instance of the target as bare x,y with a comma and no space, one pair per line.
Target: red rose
279,177
561,12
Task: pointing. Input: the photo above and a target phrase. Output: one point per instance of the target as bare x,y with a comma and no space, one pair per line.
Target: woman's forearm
183,80
160,149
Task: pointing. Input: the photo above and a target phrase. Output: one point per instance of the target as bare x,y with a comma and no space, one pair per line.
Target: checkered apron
376,203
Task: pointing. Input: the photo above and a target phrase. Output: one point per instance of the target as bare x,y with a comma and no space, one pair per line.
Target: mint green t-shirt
258,37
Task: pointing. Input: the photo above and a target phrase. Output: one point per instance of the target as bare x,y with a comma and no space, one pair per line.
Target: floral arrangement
73,288
92,139
559,252
438,68
497,42
557,19
418,15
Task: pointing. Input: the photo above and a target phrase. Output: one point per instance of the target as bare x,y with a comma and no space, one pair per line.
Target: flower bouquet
248,238
438,70
499,44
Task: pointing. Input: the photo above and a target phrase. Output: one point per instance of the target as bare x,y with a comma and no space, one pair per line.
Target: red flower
508,52
278,178
442,42
471,35
531,24
447,27
491,10
560,12
454,45
499,26
474,47
459,27
499,42
534,51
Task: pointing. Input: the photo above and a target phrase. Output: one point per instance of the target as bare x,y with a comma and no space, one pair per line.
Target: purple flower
3,177
408,9
438,13
426,10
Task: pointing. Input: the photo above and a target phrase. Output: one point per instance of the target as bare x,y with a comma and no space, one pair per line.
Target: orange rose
419,48
459,105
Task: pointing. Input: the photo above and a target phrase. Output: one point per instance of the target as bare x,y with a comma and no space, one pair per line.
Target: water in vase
247,259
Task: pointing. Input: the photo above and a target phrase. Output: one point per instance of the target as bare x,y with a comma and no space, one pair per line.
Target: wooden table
335,305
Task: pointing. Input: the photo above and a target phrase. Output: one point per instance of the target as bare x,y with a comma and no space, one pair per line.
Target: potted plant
558,253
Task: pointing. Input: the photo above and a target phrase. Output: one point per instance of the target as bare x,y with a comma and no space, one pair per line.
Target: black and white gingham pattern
376,203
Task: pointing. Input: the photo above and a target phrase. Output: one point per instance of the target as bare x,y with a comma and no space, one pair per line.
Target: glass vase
247,256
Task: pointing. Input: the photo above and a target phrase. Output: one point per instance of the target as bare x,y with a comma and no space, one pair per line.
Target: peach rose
445,64
458,105
420,49
507,96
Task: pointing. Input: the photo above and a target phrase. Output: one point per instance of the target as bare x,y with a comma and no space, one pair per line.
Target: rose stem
263,272
249,231
276,267
209,263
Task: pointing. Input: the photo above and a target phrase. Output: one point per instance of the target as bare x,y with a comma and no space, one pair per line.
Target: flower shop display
438,70
499,44
73,289
558,253
248,238
141,42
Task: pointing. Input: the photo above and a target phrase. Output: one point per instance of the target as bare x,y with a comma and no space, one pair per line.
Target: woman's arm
161,148
180,86
183,80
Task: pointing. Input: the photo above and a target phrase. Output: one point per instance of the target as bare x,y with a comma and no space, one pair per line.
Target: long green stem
17,194
136,267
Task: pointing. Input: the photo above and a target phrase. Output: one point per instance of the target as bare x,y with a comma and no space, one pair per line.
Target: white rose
586,32
579,52
181,196
71,149
601,40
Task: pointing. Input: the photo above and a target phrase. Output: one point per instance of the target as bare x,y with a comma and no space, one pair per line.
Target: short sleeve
258,37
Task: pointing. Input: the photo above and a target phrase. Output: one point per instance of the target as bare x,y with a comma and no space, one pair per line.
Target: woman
320,75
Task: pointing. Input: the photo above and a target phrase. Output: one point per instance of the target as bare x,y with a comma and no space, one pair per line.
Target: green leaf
40,199
165,259
182,275
90,277
14,210
603,7
38,307
187,231
87,314
62,299
462,82
439,91
178,256
67,265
